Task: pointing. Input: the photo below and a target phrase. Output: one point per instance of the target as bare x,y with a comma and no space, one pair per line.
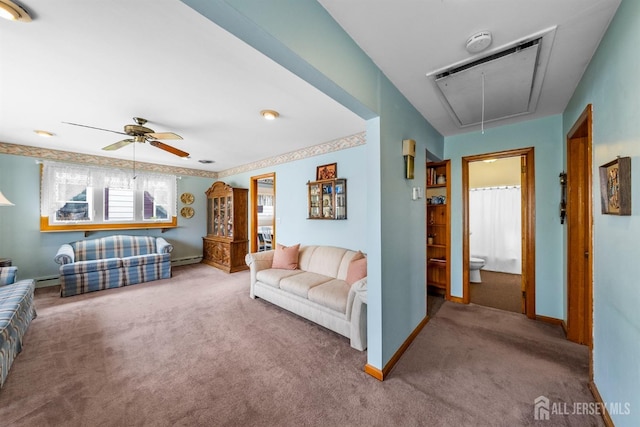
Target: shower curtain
495,228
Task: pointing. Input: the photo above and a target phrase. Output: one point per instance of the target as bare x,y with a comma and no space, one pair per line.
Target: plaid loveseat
16,313
111,262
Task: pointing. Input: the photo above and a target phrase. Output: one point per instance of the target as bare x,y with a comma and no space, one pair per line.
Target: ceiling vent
505,83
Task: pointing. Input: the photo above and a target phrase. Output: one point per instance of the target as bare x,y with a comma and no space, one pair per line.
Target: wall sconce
409,153
563,196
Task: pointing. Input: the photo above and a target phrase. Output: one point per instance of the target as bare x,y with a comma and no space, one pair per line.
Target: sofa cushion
8,275
286,257
89,266
357,269
273,276
324,260
133,261
332,294
301,283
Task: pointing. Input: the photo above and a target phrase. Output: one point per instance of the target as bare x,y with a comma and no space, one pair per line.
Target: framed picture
615,187
329,171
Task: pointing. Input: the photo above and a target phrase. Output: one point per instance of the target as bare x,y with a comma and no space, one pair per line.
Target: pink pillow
286,257
357,268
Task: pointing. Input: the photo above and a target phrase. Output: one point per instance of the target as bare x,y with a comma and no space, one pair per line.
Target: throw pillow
286,257
357,268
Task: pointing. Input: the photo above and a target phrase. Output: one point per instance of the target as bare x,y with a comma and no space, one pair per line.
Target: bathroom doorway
263,212
498,235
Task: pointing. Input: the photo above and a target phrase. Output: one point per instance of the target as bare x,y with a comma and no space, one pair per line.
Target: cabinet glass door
216,216
327,200
229,217
314,201
341,199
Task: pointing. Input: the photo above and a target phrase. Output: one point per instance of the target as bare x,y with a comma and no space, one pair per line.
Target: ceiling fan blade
169,149
118,145
92,127
163,135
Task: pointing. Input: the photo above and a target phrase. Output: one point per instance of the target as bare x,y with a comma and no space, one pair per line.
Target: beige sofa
316,290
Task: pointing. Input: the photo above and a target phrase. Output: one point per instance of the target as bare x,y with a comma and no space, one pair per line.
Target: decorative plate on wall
187,198
187,212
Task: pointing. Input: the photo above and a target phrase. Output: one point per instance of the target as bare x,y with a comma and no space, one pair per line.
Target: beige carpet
195,350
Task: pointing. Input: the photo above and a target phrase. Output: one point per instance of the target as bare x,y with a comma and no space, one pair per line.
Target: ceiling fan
140,133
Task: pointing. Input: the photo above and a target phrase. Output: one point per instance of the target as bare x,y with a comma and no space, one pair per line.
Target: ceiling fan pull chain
134,160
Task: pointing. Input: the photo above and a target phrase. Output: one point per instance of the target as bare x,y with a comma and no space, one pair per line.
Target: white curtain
62,181
495,228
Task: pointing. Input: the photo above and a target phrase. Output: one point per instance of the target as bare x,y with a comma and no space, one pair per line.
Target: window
80,197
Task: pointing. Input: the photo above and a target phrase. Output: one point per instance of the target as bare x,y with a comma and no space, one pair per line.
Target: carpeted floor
195,350
498,290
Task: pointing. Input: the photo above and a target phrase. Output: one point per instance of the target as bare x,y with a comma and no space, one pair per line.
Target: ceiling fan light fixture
479,42
13,12
269,114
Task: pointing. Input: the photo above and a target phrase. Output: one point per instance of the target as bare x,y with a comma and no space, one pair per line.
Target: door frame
528,209
253,230
580,300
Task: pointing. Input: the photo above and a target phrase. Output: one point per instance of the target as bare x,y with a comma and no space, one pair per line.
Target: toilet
475,264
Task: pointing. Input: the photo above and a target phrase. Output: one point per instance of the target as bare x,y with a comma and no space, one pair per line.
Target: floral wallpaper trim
68,156
316,150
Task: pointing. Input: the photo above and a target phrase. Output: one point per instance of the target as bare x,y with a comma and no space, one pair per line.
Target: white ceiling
408,39
101,63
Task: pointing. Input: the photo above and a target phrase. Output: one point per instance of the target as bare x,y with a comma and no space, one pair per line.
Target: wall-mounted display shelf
327,199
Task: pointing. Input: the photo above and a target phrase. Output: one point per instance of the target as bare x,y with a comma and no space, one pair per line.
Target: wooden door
579,223
580,231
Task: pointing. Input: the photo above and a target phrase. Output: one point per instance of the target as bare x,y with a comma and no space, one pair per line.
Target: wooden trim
374,372
253,209
528,223
551,320
457,300
45,227
605,414
382,374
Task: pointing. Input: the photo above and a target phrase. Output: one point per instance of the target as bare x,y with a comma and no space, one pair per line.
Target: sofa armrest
65,255
258,261
357,313
162,246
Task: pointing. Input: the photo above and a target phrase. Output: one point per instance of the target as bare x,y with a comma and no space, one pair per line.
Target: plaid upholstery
16,312
8,275
111,262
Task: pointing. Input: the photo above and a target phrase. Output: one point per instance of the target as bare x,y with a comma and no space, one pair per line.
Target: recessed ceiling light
206,161
269,114
44,133
13,12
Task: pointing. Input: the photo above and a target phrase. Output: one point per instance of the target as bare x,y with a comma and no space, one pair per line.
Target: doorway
263,212
579,231
527,225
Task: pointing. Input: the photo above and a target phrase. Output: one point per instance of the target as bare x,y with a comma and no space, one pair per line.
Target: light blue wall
545,136
612,85
33,251
292,225
302,36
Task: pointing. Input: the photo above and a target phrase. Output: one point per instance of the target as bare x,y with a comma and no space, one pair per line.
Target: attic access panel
508,82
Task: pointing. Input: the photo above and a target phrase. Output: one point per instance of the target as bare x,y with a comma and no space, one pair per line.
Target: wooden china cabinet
226,242
438,225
